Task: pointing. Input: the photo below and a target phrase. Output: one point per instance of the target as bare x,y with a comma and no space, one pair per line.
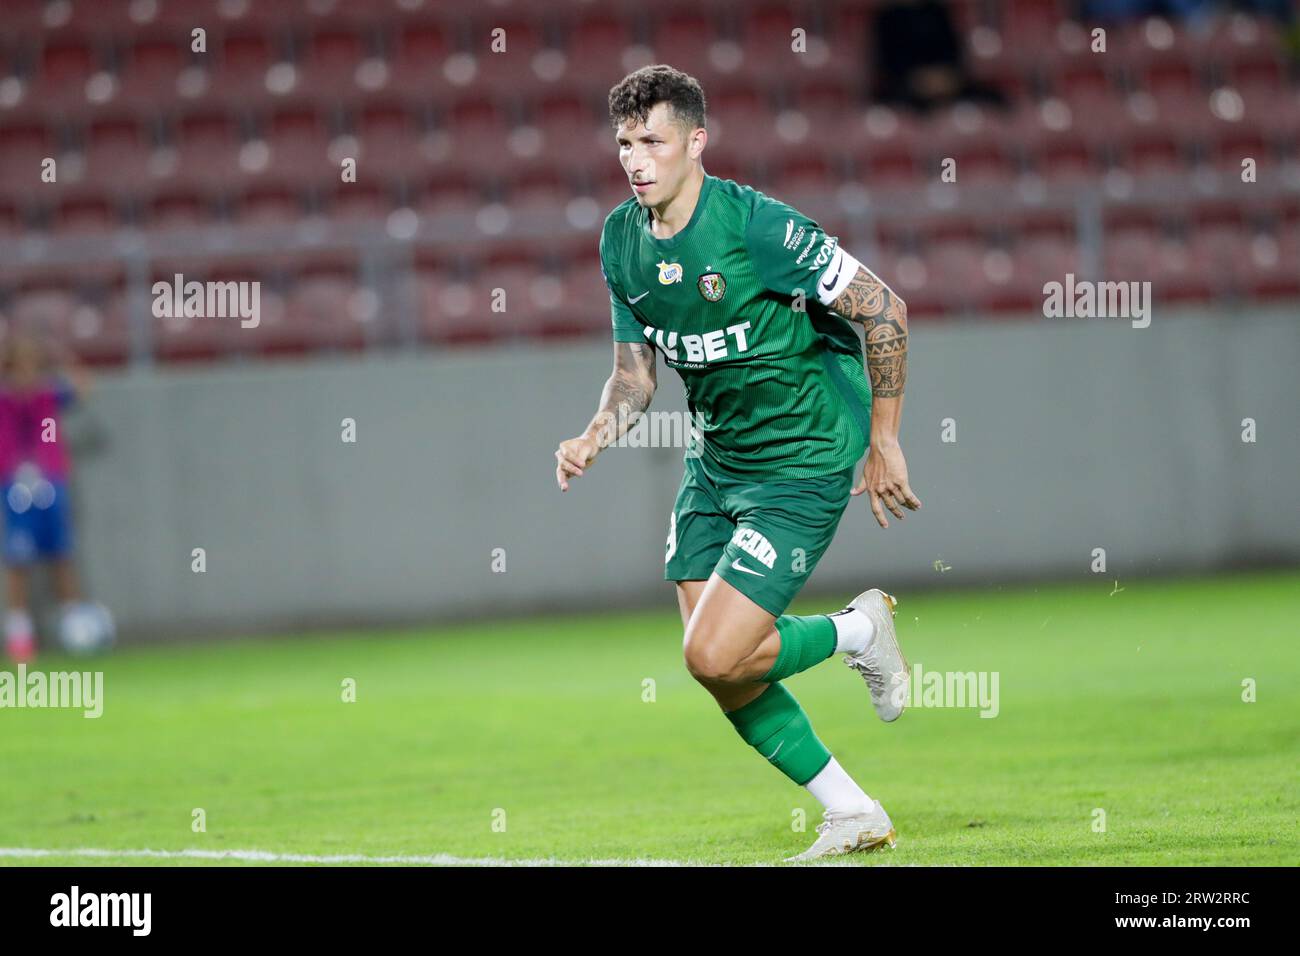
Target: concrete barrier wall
1070,435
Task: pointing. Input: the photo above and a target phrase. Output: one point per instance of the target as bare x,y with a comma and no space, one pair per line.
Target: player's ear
699,139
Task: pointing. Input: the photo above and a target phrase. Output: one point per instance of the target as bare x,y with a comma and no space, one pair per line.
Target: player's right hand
572,457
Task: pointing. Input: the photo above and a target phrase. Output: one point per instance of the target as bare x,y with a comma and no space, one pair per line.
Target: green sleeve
626,327
789,251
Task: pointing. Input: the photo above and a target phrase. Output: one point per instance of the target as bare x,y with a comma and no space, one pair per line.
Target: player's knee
707,661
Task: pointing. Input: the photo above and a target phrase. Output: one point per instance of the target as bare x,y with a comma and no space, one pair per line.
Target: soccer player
751,302
36,382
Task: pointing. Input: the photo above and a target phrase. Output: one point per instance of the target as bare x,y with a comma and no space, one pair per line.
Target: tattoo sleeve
869,301
627,393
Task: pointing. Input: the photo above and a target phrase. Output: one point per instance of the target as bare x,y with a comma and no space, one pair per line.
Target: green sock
775,725
805,641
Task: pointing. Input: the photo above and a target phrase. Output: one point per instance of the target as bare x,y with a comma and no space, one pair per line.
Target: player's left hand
885,477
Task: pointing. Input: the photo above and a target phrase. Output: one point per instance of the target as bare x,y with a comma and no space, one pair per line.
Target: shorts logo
671,547
712,286
670,272
753,543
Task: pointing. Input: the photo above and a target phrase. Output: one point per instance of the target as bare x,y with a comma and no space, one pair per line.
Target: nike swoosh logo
638,298
740,567
772,755
828,282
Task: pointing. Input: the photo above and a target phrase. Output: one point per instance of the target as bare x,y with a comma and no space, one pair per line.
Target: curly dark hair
638,93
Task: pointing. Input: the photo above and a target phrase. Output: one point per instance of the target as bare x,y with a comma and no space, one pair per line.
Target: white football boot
882,664
851,833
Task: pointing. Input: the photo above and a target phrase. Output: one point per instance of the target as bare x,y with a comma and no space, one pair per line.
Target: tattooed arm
872,304
627,392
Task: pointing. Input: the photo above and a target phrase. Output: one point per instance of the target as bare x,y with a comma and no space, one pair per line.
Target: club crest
712,286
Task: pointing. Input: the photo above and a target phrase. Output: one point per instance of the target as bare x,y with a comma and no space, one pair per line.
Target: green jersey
777,392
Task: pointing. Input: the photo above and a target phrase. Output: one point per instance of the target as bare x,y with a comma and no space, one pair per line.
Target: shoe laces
874,676
831,819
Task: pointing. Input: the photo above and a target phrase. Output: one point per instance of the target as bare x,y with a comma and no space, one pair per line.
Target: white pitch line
263,856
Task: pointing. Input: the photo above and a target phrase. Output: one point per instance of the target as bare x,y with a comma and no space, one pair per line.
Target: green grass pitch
1127,702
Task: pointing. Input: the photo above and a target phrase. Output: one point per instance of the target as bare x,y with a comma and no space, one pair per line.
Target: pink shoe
21,650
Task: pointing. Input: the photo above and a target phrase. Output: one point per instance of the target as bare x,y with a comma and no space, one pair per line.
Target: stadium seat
421,52
23,148
244,60
329,66
298,149
528,62
603,45
390,140
149,78
207,149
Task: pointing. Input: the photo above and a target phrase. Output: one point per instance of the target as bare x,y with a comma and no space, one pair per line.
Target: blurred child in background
37,381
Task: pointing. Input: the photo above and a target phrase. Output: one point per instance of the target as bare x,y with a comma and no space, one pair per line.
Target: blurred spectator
36,383
1113,11
1281,10
918,58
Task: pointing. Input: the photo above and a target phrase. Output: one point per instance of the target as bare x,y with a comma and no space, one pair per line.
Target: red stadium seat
298,143
268,205
148,81
23,150
1060,140
1240,46
356,202
908,275
1270,270
117,154
602,45
390,141
327,310
1042,259
85,216
208,149
479,147
65,68
454,309
416,69
243,61
10,220
522,65
1028,30
688,43
585,302
177,210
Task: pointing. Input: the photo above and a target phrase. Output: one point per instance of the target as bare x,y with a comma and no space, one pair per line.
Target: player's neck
672,217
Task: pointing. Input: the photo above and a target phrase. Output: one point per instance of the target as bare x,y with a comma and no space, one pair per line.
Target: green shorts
764,538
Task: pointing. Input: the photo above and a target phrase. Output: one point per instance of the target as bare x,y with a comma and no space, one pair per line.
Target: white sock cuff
853,631
837,792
